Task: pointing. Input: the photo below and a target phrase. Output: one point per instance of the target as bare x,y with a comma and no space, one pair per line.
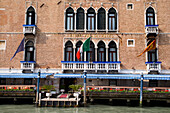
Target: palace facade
54,30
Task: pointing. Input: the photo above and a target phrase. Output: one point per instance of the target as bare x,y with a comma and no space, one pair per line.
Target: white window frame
5,45
129,4
133,42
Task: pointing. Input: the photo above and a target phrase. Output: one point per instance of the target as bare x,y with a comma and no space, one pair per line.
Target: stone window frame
133,43
5,45
129,4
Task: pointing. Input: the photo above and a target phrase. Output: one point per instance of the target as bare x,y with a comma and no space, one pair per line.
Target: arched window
112,19
30,16
150,16
152,54
101,16
69,51
112,52
101,54
90,55
69,19
91,19
29,51
80,19
79,43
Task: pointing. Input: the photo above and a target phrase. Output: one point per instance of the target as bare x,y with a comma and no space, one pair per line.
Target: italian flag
84,47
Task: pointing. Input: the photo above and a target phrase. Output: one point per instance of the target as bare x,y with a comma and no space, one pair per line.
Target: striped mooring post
141,90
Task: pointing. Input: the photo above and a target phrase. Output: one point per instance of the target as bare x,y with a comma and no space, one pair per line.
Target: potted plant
48,89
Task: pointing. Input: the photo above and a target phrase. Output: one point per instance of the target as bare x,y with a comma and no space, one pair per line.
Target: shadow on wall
41,37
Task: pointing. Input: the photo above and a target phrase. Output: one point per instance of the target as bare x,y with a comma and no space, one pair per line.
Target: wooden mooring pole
141,90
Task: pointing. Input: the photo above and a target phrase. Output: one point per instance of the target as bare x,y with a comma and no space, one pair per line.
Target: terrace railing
27,65
29,29
94,66
151,29
153,66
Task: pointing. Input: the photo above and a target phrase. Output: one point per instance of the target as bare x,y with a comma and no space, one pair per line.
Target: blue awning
89,76
156,77
114,76
65,75
23,75
98,76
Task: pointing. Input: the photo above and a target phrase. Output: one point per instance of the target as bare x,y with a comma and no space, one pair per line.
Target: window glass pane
80,20
67,56
102,56
92,23
68,23
112,49
88,23
70,56
71,23
113,23
114,56
29,18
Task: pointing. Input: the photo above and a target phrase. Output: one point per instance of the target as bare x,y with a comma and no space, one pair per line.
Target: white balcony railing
151,29
153,66
27,65
29,29
94,66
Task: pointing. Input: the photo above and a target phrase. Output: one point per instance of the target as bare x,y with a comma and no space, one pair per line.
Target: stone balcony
153,66
90,66
29,29
27,65
151,29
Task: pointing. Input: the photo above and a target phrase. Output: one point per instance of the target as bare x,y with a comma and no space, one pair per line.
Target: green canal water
90,109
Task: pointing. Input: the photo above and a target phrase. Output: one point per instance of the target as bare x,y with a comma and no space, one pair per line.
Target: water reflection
90,109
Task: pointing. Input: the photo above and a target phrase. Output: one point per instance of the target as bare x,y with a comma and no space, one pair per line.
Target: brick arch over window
78,44
150,16
112,19
68,51
112,52
101,16
91,19
90,55
30,16
80,19
29,51
101,52
69,19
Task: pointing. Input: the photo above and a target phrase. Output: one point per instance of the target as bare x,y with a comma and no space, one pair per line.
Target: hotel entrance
65,82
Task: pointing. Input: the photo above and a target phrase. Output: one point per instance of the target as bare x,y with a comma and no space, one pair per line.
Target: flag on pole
151,46
84,47
20,48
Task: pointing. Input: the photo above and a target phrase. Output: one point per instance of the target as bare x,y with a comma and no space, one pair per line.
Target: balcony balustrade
153,66
151,29
27,65
93,66
29,29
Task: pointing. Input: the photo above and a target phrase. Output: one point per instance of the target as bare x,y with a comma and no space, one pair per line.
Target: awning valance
23,75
